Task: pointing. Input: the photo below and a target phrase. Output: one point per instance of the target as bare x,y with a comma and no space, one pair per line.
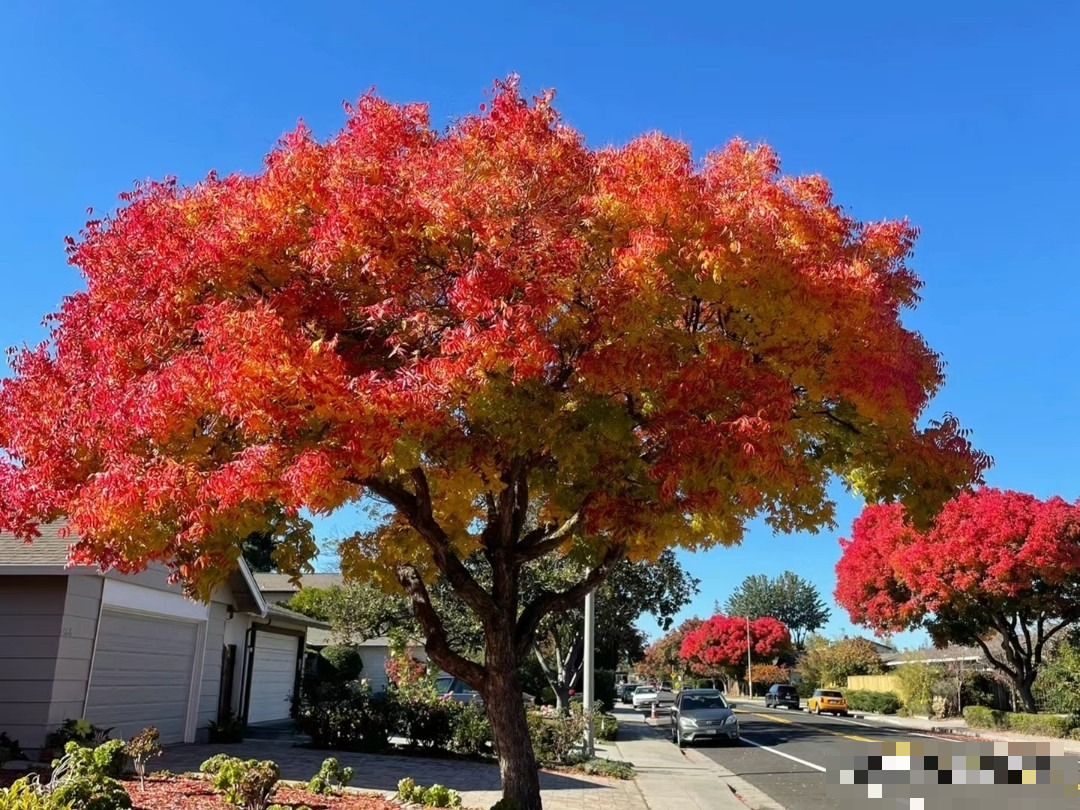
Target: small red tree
993,563
718,648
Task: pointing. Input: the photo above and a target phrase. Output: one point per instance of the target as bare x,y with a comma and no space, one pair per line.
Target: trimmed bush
604,682
340,662
426,723
354,722
607,727
867,701
1039,725
982,717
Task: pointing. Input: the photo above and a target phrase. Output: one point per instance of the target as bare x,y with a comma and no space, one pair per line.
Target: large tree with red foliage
662,660
993,563
519,344
718,647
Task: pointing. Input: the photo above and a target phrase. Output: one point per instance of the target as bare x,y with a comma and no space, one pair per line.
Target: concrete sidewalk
952,725
668,779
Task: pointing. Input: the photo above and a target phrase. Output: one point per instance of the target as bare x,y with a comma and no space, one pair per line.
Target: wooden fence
874,683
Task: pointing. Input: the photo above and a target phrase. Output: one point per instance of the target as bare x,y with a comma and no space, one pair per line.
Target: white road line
779,753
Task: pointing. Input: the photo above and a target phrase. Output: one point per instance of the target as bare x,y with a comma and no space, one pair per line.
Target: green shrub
86,778
604,683
916,683
867,701
982,717
426,723
244,783
598,766
354,722
23,795
805,689
340,662
1074,733
78,730
9,749
554,736
330,778
1040,725
471,730
229,729
607,727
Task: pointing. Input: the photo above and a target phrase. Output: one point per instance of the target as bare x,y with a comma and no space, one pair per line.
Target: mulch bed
192,794
178,793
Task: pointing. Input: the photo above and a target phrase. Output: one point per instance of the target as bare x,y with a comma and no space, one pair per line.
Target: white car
645,696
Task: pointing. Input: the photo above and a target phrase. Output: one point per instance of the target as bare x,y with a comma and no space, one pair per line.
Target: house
277,588
968,657
129,651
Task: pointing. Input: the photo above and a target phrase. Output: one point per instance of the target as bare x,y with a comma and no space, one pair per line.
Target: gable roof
932,655
279,583
49,550
48,554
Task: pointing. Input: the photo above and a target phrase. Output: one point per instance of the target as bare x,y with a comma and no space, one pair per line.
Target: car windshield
695,702
443,685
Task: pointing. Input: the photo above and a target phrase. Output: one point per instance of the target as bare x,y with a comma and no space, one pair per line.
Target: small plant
228,729
434,796
163,774
78,730
145,744
24,795
9,749
86,778
330,778
244,783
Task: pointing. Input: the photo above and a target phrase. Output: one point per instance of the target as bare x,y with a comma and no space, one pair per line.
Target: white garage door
273,675
142,675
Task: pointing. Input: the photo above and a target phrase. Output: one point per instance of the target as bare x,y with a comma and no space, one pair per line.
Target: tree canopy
789,598
645,349
718,647
993,563
830,663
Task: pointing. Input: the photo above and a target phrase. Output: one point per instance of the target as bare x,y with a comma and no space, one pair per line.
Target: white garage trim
150,600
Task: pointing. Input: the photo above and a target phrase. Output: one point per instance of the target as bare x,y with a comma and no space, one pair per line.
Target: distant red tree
993,563
718,648
662,659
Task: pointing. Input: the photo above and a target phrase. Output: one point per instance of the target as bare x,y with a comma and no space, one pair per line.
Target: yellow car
827,700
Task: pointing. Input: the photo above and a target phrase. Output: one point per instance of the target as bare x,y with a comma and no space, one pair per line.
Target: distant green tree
789,598
258,552
1057,687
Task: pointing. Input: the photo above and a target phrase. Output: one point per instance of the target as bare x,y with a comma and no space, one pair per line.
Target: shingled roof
279,583
49,550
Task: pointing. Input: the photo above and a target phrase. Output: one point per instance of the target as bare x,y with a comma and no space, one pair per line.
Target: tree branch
549,601
999,664
436,643
549,537
416,509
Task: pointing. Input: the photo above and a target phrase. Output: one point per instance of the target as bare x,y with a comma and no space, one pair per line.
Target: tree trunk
562,697
506,711
1023,691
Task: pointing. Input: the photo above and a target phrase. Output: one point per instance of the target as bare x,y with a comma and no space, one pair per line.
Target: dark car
782,694
625,692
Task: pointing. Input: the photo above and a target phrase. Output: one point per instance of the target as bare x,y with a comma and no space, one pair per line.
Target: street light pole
749,672
590,630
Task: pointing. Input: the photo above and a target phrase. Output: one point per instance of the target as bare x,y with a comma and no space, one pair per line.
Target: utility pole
749,673
590,690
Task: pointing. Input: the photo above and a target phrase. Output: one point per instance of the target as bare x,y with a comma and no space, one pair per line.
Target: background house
276,589
128,651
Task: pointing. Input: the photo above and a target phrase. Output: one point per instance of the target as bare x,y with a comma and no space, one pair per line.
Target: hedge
1040,725
861,700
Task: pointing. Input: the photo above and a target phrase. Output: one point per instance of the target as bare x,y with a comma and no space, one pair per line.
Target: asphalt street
785,753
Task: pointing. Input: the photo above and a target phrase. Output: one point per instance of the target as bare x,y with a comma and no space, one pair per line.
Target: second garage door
273,676
142,674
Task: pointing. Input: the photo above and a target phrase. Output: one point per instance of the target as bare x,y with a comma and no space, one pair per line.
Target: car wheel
817,710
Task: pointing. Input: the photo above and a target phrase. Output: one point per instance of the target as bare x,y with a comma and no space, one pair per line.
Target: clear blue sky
962,116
